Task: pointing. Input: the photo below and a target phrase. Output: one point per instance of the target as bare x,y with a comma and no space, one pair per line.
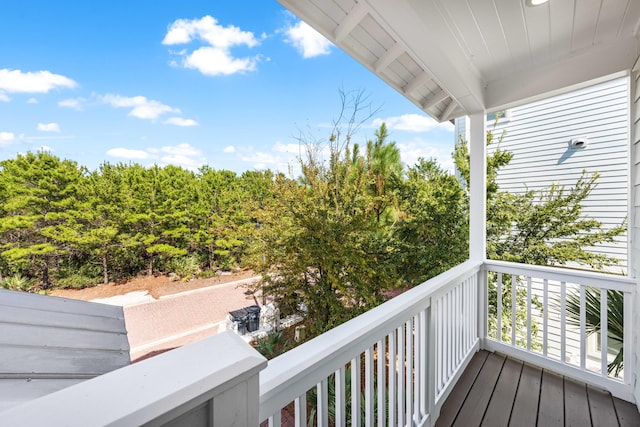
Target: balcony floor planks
495,391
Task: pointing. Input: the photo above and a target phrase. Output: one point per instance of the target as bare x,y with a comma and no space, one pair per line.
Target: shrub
16,282
186,267
77,281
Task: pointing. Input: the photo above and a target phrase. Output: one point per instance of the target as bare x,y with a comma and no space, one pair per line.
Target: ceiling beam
447,111
352,19
437,97
388,57
414,84
421,27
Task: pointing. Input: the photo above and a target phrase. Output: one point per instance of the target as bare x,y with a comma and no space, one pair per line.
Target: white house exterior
542,136
452,59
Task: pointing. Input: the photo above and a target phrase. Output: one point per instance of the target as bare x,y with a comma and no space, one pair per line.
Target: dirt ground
157,286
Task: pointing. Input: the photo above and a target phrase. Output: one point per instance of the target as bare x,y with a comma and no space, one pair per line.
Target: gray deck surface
498,391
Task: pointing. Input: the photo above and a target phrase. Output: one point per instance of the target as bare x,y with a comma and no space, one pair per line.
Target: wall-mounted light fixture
532,3
579,142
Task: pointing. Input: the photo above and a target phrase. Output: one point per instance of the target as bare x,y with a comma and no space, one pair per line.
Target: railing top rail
292,373
588,278
144,391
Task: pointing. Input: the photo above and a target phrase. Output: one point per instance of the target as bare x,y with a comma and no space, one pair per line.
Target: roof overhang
454,57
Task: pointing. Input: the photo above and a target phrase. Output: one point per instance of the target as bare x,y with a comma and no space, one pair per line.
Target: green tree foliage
433,231
40,210
61,225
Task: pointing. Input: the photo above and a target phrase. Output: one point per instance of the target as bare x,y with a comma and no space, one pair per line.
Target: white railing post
483,306
477,187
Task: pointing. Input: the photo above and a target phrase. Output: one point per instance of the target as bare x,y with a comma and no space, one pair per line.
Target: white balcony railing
394,365
390,366
546,331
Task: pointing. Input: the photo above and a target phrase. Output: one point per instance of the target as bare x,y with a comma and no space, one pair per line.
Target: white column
478,188
634,220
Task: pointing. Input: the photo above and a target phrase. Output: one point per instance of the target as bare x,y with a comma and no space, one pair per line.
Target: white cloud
306,40
182,150
215,58
127,153
48,127
411,123
46,149
184,155
16,81
411,151
229,149
179,121
141,107
213,61
184,161
4,97
32,101
287,148
75,103
6,137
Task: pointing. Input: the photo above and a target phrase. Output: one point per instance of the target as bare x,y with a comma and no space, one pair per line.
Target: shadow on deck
496,390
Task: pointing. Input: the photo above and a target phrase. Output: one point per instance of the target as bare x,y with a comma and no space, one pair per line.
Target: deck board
475,405
603,414
551,411
628,415
459,393
576,405
525,407
496,391
499,409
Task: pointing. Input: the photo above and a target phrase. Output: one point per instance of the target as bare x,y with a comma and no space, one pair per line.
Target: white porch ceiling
455,57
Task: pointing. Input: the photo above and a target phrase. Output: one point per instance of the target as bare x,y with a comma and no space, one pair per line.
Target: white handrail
207,374
290,375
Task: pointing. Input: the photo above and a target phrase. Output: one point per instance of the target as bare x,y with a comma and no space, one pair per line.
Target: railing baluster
528,331
340,399
355,391
514,307
276,419
499,308
401,371
301,410
545,316
423,375
604,332
439,347
417,356
583,328
627,343
381,382
368,388
322,390
392,378
409,370
563,322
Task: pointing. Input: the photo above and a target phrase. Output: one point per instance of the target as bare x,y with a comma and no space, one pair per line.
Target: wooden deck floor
499,391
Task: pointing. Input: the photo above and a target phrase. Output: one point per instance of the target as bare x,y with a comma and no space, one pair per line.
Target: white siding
539,136
634,217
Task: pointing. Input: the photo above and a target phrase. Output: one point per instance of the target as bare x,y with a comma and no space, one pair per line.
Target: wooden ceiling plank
352,19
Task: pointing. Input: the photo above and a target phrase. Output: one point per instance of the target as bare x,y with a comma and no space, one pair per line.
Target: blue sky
231,84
